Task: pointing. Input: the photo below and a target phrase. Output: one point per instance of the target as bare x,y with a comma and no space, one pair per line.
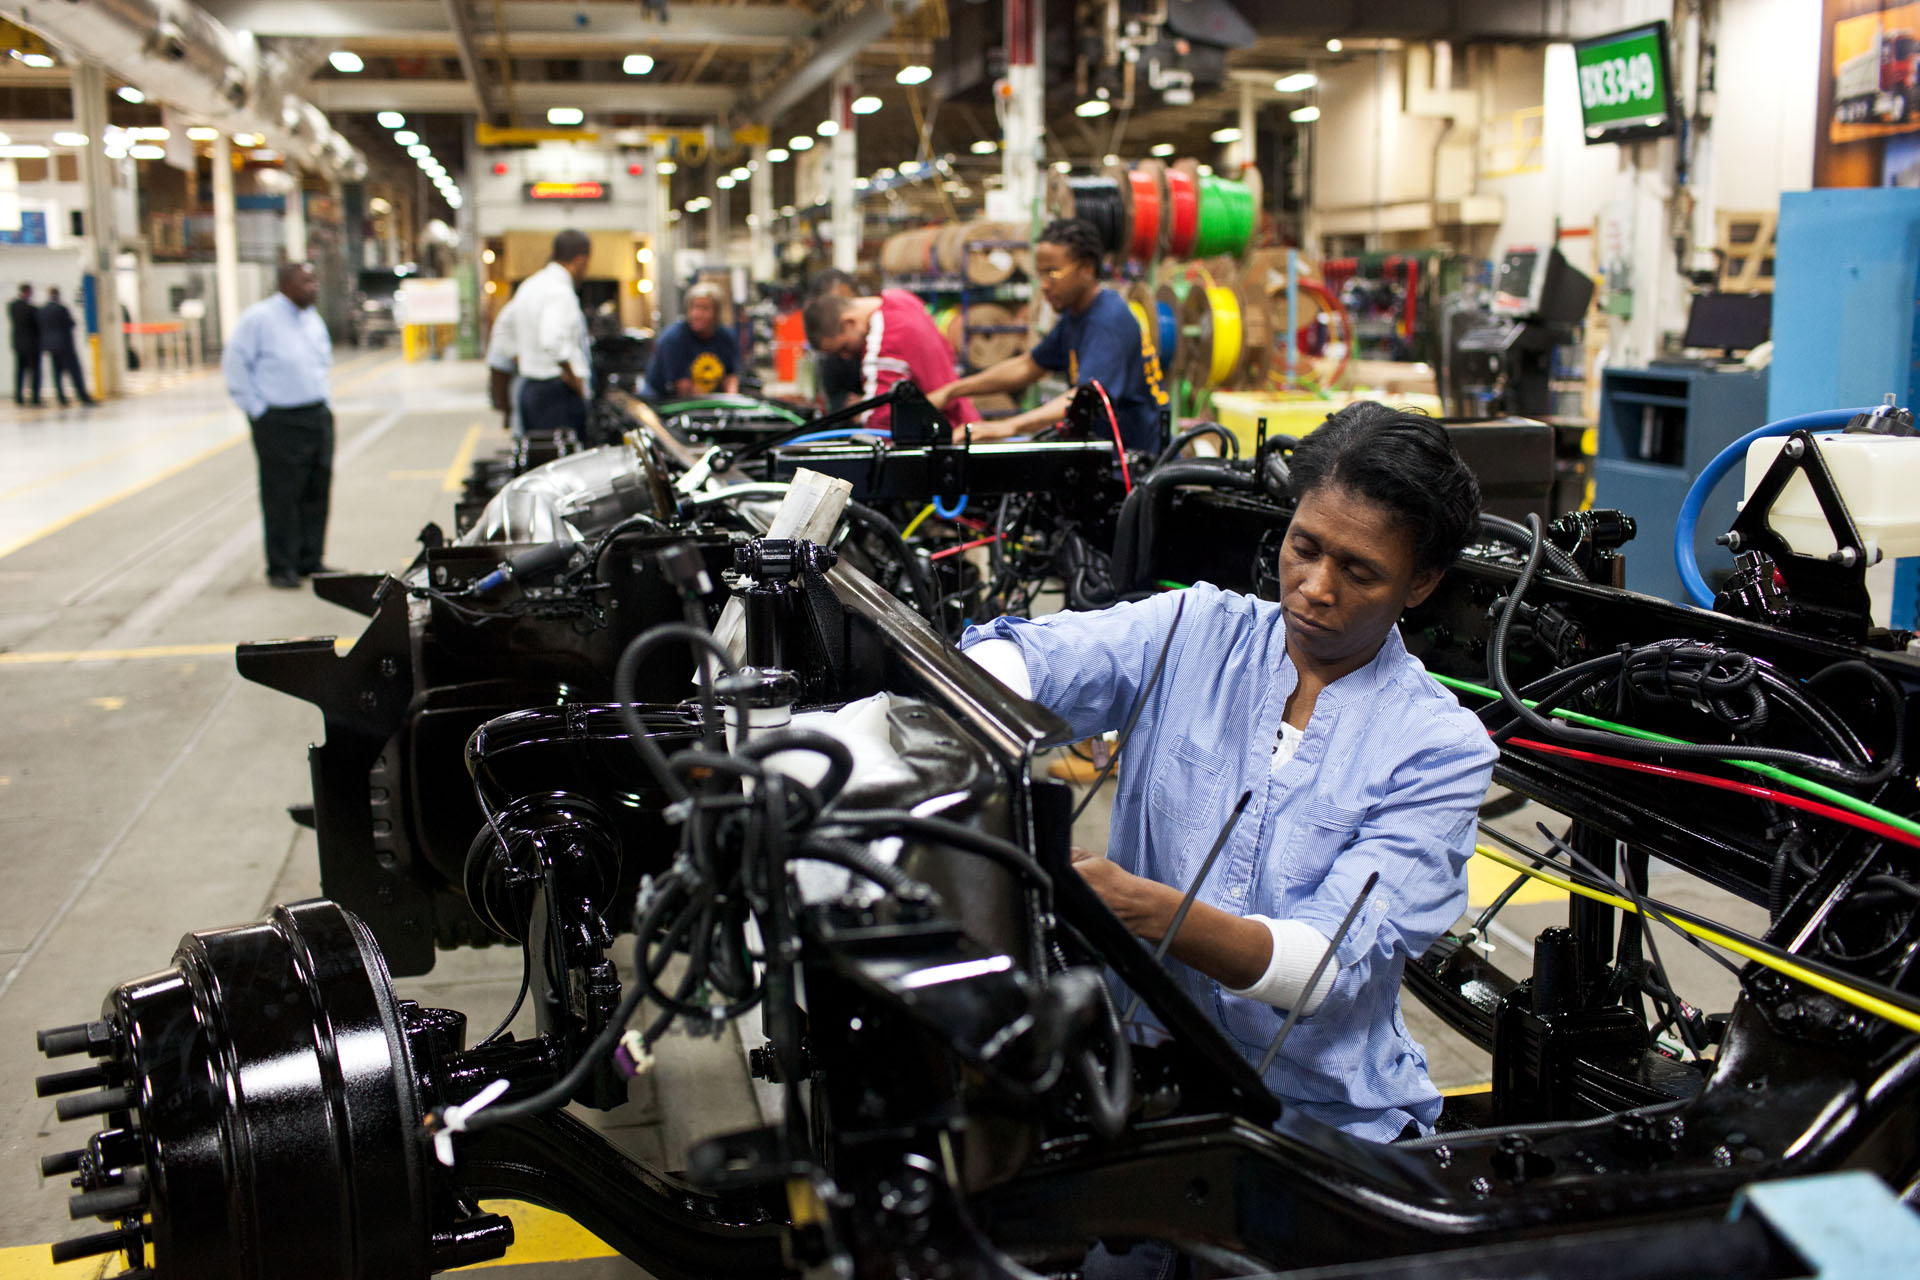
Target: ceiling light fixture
1304,115
68,138
38,61
724,182
1228,134
800,142
1110,160
201,133
776,154
1298,82
637,64
1334,46
882,175
914,74
148,152
346,62
666,168
827,128
419,151
23,151
1063,166
1162,149
865,105
244,140
406,137
741,173
984,146
786,211
643,255
1090,108
565,115
390,119
861,184
128,93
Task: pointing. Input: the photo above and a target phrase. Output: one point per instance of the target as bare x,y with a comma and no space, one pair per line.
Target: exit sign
566,190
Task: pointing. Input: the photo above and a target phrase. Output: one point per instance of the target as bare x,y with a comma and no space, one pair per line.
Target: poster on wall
1869,94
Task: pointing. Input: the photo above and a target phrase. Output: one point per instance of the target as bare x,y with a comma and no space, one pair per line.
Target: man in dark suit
56,339
24,318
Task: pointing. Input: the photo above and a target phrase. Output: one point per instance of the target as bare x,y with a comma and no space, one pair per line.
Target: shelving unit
965,295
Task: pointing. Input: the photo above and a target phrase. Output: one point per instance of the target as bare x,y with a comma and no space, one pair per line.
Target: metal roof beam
592,25
834,50
356,93
460,18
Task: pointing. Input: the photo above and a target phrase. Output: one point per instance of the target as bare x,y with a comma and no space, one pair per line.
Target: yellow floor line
462,460
145,443
540,1235
44,657
35,1262
1460,1090
141,486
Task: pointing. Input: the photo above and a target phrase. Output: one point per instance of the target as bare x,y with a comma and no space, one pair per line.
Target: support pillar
1023,123
296,218
1243,152
103,238
760,220
845,164
226,240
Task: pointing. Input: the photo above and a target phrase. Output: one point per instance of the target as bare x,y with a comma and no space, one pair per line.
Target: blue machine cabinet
1659,428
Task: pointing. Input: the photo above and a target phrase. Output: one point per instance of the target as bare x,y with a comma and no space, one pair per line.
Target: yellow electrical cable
1147,329
1225,354
916,522
1861,1000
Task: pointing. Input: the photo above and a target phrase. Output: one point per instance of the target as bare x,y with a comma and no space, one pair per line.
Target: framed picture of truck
1876,74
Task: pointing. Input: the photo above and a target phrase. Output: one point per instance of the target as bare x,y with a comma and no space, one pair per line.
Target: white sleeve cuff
1003,660
1297,948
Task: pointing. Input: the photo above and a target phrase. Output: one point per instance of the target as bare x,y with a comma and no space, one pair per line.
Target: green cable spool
1226,218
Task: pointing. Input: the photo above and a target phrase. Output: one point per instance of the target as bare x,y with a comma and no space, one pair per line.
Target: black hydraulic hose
861,861
638,520
910,566
1229,441
839,755
900,822
626,675
1146,508
1515,535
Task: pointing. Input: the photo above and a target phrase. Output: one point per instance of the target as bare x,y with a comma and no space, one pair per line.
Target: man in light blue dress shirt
277,364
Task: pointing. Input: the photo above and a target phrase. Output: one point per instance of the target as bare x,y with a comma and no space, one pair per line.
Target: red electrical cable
1183,214
1792,801
1119,445
1146,213
965,546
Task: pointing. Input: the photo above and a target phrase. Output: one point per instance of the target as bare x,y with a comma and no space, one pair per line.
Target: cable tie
454,1119
678,812
632,1057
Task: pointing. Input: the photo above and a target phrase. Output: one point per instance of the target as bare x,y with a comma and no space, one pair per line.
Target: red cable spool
1183,224
1146,214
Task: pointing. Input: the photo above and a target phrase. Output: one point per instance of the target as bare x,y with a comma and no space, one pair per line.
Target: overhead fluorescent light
1092,107
984,146
419,151
1304,115
406,137
1162,149
776,154
666,168
201,133
23,151
786,211
643,255
1228,134
1063,166
724,182
741,173
1110,160
390,119
882,175
565,115
914,74
145,152
1334,46
346,61
800,142
643,285
861,184
128,93
827,128
1204,170
1298,82
68,138
150,133
865,105
244,140
39,61
637,64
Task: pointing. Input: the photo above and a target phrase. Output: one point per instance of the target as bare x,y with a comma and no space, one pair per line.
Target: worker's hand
939,396
683,388
1002,430
1135,899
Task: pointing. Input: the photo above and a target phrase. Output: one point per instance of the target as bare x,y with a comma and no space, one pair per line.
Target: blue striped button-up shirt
1388,777
279,356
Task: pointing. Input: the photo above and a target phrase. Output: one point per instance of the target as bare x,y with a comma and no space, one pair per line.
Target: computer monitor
1728,322
1543,287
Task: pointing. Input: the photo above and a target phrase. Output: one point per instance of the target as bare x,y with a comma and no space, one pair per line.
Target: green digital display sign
1625,91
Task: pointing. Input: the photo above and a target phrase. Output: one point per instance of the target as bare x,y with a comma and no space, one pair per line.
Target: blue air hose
839,434
940,509
1723,462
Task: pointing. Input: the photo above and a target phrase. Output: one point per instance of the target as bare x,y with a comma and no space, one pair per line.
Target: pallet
1746,251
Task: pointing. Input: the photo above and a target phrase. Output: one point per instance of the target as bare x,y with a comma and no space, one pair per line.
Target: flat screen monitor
1728,322
1541,286
1626,89
1516,286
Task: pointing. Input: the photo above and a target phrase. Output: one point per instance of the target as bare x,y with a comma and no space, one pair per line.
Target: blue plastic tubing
1703,487
840,434
940,509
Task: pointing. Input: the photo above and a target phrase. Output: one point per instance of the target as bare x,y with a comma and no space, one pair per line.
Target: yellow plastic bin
1297,414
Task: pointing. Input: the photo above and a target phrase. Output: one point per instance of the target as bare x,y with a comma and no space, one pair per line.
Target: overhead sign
1625,92
487,135
584,189
428,301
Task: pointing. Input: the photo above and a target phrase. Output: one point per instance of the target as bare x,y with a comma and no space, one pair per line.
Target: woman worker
1357,762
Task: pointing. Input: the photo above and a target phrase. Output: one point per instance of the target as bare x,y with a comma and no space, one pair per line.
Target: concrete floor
144,785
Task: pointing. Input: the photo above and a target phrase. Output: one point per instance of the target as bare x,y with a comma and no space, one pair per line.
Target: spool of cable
1145,186
994,251
994,333
1097,200
1183,212
1225,217
905,254
948,255
1256,319
1167,304
1211,324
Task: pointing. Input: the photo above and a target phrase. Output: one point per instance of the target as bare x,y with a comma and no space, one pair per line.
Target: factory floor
144,785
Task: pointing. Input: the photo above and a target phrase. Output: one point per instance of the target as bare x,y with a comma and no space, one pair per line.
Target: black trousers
26,364
295,451
66,360
548,404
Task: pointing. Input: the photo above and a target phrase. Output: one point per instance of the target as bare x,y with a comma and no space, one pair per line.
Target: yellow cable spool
1211,314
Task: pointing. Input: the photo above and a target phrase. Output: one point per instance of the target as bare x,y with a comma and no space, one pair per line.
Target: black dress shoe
284,581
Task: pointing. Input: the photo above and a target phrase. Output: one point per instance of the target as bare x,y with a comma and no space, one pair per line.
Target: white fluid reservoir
1879,479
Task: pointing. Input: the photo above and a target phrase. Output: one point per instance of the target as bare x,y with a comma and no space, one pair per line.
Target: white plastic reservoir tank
1879,478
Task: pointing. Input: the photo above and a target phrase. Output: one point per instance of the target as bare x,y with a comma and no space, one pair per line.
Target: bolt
1730,540
1482,1186
1845,557
1795,448
389,668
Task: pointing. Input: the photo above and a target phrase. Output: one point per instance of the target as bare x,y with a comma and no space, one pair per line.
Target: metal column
845,163
103,239
1026,106
226,240
296,219
1243,152
760,217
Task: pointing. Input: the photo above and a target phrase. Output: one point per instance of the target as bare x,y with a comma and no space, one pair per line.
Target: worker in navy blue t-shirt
1096,340
695,356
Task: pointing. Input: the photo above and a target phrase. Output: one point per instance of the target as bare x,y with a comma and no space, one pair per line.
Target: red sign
566,191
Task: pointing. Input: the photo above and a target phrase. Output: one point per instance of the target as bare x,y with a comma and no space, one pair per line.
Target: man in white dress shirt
551,339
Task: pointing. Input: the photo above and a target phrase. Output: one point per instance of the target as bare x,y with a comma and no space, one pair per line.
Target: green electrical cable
1807,785
1226,217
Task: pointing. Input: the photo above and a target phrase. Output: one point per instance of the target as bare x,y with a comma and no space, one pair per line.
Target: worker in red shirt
893,337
